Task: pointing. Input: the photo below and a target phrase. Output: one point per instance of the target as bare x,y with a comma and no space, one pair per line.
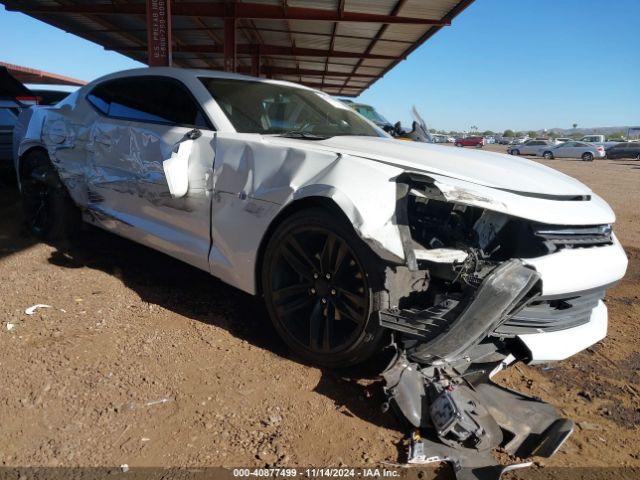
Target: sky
502,64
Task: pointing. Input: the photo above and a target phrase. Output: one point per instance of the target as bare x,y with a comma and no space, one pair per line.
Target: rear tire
322,286
49,211
548,155
587,157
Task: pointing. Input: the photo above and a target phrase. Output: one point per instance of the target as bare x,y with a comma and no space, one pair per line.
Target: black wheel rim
37,198
319,290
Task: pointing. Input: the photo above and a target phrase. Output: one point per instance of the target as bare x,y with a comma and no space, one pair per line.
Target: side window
148,99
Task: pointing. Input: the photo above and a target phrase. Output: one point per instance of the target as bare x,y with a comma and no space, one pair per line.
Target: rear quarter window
149,100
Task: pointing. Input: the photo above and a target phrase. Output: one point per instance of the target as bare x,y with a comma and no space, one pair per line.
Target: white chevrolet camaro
457,258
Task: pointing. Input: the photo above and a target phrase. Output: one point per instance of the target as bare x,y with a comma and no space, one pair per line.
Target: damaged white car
463,261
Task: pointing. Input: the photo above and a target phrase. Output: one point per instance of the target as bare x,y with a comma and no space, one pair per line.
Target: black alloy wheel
319,291
48,209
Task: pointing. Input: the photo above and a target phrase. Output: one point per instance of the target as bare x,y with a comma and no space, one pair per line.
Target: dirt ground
145,361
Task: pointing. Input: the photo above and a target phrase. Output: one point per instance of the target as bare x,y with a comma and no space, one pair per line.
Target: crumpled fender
256,179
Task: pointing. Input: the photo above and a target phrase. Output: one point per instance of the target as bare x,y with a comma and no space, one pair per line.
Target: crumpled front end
488,288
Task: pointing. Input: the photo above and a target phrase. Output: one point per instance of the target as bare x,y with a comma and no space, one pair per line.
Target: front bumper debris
460,419
439,385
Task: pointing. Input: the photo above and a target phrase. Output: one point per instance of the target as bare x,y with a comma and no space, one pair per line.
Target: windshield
268,108
370,113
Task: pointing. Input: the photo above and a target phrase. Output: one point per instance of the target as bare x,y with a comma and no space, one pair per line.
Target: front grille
550,314
570,237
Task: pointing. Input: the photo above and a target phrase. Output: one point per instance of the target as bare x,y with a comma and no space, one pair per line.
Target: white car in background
530,147
561,140
573,149
463,262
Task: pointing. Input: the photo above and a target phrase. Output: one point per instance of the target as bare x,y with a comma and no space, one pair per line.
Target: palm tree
575,125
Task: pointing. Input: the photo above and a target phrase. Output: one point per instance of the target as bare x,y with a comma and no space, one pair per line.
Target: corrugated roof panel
411,33
369,71
276,38
320,4
334,67
311,41
388,48
351,45
371,62
280,62
435,9
314,27
381,7
344,61
364,29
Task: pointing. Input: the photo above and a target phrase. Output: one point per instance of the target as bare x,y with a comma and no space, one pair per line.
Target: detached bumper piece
457,417
460,423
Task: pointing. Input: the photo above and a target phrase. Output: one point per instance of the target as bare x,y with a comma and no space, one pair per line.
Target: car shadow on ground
634,166
193,293
190,292
13,234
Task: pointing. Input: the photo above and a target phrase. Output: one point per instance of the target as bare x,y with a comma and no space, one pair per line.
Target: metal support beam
159,33
306,72
240,10
256,68
265,50
230,46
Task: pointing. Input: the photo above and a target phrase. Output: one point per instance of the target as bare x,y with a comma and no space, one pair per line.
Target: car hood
485,168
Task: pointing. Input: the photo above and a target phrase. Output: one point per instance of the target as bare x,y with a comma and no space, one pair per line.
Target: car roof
190,73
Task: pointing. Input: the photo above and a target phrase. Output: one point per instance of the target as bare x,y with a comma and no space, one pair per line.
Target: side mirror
176,169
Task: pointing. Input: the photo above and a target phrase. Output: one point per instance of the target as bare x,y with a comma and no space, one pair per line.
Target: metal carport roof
339,46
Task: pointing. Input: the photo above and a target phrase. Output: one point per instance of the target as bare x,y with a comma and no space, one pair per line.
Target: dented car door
127,185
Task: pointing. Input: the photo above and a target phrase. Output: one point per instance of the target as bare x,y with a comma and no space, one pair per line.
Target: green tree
488,133
532,134
509,133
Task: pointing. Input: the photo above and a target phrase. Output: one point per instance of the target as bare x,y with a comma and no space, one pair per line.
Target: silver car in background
584,151
530,147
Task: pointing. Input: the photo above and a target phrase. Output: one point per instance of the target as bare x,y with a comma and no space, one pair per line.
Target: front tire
515,152
321,285
458,144
48,209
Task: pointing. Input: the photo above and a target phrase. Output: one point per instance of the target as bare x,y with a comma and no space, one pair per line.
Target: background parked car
505,140
530,147
561,140
624,150
599,140
477,142
15,97
584,151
